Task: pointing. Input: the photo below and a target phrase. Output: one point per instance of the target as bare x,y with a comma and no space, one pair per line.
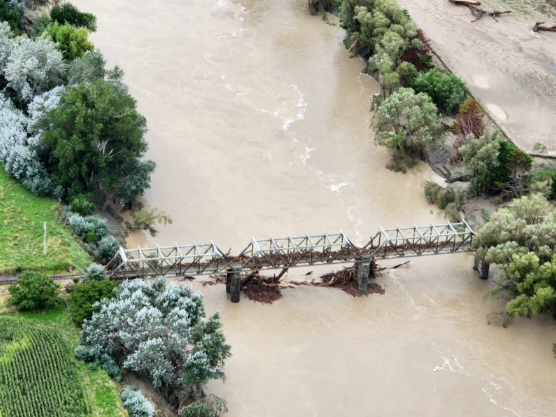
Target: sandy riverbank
508,67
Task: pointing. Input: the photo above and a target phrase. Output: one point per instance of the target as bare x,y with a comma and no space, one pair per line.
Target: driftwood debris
539,26
477,12
353,45
465,2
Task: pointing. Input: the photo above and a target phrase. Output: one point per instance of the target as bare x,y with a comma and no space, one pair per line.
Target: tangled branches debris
477,12
539,26
344,281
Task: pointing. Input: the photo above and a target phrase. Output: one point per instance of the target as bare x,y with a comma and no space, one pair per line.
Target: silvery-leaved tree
17,155
159,332
32,66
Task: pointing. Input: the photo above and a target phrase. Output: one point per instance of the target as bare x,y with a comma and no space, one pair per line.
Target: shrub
73,43
419,56
447,91
209,406
552,195
107,248
68,13
86,294
468,121
33,291
83,225
42,20
86,68
80,205
95,272
135,403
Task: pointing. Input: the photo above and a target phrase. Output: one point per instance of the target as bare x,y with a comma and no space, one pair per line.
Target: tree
407,73
447,91
68,13
97,124
73,43
11,12
409,124
468,121
521,239
33,291
17,154
159,332
481,158
86,294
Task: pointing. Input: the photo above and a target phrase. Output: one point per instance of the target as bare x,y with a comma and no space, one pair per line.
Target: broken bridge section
288,252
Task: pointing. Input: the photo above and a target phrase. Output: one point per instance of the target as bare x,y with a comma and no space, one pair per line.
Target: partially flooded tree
521,240
409,125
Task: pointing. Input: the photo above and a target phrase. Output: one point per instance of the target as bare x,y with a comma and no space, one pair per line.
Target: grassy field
21,233
101,393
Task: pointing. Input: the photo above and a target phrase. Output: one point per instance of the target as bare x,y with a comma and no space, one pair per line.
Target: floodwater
259,124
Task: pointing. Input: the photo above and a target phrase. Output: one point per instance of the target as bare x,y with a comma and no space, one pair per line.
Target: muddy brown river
259,123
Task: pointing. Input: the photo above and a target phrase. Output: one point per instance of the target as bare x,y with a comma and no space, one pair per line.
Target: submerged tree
409,124
159,332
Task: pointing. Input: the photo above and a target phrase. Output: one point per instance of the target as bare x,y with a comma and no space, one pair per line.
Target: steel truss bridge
272,253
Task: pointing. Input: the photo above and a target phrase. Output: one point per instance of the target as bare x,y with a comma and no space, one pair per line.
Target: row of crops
38,374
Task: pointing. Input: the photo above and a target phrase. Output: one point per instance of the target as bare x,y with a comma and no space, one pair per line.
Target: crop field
38,375
21,233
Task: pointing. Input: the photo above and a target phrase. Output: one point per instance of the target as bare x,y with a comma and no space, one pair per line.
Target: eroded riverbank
259,125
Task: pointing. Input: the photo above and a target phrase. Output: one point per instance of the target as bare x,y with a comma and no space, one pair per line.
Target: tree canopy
521,239
409,124
73,43
33,291
97,124
158,331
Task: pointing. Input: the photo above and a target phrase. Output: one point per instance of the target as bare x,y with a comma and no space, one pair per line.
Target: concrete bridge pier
361,272
483,272
233,284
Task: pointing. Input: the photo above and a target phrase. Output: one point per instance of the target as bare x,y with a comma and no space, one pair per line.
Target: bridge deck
433,239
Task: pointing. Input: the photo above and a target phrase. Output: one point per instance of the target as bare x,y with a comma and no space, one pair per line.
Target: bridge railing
291,251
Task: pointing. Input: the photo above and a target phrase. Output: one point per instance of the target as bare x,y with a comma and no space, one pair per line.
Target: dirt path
508,67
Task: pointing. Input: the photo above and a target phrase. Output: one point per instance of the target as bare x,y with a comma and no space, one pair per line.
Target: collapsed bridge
288,252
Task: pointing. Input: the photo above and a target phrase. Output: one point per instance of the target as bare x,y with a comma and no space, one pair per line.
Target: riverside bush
86,294
73,43
11,12
68,13
135,403
33,291
447,91
106,249
95,272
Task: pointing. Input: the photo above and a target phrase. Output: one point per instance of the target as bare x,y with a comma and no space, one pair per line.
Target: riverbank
510,69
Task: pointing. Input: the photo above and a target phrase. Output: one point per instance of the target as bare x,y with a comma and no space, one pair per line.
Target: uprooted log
477,12
465,2
539,26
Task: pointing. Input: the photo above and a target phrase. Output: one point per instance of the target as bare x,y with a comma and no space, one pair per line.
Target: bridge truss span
271,253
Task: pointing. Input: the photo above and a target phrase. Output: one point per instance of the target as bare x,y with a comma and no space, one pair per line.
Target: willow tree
409,125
